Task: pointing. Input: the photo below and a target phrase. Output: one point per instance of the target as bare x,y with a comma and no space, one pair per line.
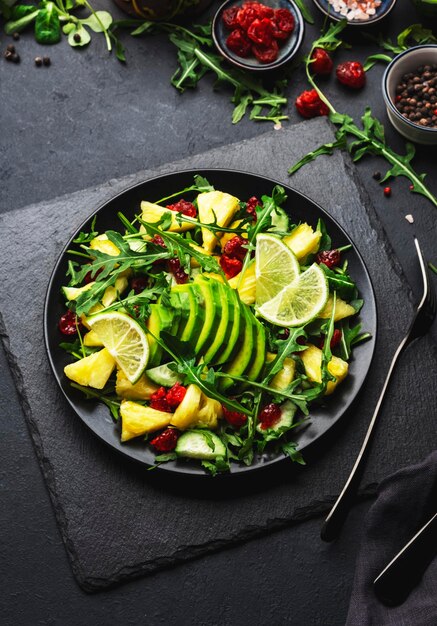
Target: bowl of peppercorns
409,87
258,36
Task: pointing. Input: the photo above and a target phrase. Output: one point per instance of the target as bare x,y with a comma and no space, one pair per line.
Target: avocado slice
226,320
245,355
231,345
259,352
161,318
154,325
180,296
212,307
196,314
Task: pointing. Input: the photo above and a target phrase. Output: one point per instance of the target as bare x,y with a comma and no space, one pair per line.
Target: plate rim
199,472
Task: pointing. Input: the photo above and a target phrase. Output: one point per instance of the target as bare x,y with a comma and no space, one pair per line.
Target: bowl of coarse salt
357,12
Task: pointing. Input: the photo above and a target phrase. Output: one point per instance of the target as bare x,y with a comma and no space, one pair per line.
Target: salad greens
252,400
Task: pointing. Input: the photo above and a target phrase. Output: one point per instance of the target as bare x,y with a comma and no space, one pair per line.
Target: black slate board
117,520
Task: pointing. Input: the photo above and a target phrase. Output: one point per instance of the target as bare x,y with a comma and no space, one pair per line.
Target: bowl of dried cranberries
258,36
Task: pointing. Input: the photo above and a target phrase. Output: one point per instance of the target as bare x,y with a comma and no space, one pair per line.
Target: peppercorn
46,61
16,36
77,38
387,192
377,175
10,47
416,96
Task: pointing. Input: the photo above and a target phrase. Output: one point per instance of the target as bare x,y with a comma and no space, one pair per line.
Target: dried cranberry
89,277
174,266
68,323
335,339
234,248
261,9
309,104
351,74
269,416
251,205
261,32
283,23
266,54
175,395
158,400
247,14
284,334
231,267
139,283
234,418
238,43
229,17
166,441
184,207
321,62
330,258
158,241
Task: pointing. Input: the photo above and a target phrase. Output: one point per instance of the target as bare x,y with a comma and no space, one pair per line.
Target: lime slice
299,302
126,341
275,267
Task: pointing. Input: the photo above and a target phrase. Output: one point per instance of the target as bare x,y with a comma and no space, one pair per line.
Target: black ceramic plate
243,185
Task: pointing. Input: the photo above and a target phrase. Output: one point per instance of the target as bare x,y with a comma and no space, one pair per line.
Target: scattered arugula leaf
432,267
415,34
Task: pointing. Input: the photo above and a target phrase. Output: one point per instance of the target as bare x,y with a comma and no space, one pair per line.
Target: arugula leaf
23,18
201,185
341,283
290,449
219,465
87,237
432,267
306,13
325,240
112,402
415,34
164,458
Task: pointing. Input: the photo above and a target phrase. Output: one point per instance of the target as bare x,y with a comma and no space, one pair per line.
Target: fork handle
339,512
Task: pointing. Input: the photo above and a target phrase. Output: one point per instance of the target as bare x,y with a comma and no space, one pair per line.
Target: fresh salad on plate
209,324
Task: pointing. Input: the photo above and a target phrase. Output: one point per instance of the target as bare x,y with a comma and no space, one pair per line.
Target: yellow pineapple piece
153,213
215,206
111,292
303,240
342,309
228,236
94,309
285,376
214,276
141,390
137,420
93,370
312,361
196,409
193,261
92,340
247,287
103,244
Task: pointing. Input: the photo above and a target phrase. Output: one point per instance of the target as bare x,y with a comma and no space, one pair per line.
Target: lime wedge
299,302
126,341
275,267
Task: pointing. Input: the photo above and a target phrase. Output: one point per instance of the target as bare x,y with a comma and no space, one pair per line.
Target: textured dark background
82,121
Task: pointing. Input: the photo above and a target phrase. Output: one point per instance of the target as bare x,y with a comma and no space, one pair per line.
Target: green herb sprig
416,34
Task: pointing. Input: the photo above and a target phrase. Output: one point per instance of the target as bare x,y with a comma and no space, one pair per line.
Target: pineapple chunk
139,420
214,276
215,206
193,261
285,376
312,361
247,287
93,370
303,241
103,244
95,309
153,213
92,340
142,390
196,409
111,292
342,309
228,236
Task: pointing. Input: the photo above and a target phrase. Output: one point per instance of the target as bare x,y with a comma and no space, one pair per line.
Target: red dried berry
174,266
234,248
261,10
139,283
261,31
269,416
158,400
184,207
229,17
234,418
251,205
231,267
330,258
282,24
158,241
175,395
69,323
88,276
335,339
411,187
309,104
247,14
387,192
166,441
266,54
351,74
321,62
239,43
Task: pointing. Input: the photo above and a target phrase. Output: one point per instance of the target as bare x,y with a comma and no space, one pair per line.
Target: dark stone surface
85,120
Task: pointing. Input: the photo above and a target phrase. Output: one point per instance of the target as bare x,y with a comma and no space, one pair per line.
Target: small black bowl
286,51
381,12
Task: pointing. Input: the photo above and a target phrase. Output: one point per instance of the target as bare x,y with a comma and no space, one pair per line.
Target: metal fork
420,325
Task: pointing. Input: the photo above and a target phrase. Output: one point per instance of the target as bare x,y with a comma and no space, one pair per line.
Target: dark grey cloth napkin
119,521
406,501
